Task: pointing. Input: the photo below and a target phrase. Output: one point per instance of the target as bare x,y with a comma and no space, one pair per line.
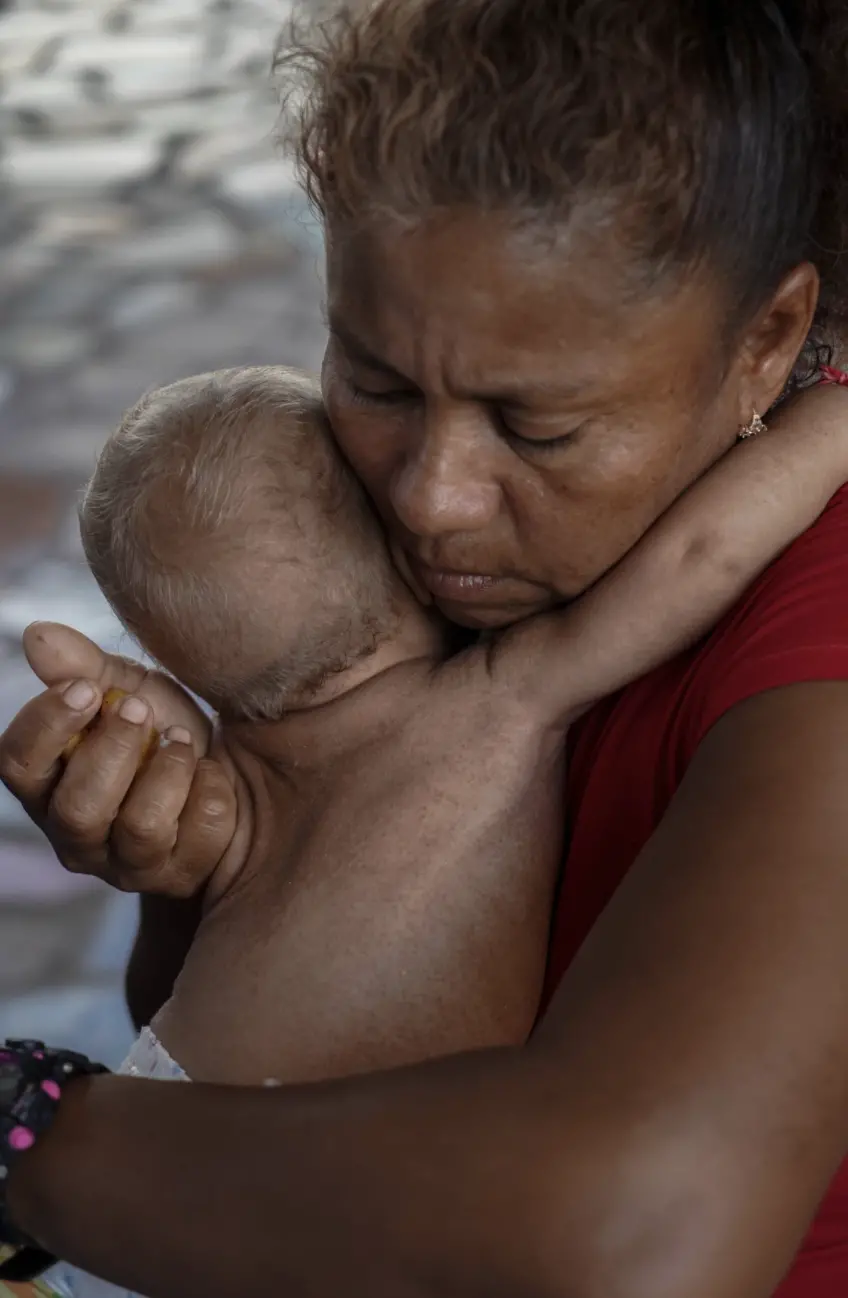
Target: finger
32,744
59,653
174,708
97,778
145,831
206,829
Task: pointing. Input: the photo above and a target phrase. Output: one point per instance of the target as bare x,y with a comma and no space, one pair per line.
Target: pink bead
37,1054
21,1138
831,375
51,1089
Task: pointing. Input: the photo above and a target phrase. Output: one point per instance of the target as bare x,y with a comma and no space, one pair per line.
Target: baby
388,891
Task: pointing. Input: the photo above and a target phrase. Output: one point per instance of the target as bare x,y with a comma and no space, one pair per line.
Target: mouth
453,586
459,586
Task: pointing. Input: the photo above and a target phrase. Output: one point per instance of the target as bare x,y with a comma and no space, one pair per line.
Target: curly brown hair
715,131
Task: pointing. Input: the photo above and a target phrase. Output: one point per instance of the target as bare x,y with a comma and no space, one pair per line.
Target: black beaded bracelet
32,1079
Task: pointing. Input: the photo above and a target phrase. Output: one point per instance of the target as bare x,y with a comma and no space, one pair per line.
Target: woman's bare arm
669,1131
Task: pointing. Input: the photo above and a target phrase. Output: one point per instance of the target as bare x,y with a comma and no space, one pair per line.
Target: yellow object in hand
111,699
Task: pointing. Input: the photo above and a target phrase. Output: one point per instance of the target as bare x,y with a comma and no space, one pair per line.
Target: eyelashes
539,444
395,397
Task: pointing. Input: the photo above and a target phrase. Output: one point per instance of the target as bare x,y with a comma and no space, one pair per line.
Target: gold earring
751,430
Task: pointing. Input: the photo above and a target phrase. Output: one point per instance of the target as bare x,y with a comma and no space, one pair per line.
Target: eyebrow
358,351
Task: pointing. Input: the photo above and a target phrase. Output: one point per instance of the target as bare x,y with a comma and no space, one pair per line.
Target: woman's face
516,426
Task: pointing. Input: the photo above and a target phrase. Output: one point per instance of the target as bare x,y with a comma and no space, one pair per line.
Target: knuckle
145,825
121,740
177,754
215,799
176,767
180,886
77,817
214,812
13,772
18,764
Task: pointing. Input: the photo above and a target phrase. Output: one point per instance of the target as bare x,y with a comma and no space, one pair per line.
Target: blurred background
149,228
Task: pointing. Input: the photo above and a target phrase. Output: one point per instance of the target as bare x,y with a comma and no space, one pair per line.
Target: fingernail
178,735
134,711
80,696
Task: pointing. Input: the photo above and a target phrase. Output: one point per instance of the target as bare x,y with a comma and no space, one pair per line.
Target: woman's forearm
423,1183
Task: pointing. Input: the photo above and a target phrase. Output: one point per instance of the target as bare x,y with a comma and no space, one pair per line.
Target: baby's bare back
396,899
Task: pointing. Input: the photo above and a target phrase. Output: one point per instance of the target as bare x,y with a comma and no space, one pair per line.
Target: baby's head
235,543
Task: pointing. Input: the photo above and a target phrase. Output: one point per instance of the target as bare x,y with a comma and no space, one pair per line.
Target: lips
459,587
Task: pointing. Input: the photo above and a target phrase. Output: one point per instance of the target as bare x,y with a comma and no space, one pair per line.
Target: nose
445,482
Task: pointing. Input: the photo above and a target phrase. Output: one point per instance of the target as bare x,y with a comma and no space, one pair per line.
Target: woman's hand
160,829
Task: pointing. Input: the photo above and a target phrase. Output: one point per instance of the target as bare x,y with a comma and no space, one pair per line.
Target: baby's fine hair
218,485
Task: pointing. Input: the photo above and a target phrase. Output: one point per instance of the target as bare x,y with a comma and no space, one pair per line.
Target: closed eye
525,443
397,396
387,397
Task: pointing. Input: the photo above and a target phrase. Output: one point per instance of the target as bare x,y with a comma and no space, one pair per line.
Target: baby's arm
689,569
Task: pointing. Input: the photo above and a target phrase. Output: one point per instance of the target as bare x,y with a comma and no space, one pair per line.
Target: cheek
628,457
608,499
365,441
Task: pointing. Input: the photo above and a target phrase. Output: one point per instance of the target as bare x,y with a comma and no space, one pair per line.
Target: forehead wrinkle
500,381
521,333
476,355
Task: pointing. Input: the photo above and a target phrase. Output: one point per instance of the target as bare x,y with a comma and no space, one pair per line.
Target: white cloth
148,1058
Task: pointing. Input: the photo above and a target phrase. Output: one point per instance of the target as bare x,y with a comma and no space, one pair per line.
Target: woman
571,246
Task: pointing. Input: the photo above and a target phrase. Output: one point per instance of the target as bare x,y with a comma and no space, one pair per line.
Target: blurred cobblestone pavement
149,228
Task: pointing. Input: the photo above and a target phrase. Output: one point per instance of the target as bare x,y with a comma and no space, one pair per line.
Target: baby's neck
421,633
424,636
353,707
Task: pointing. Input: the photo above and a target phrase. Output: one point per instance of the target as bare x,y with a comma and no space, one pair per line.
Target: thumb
58,653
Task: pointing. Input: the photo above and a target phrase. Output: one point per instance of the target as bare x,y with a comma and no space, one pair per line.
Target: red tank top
630,753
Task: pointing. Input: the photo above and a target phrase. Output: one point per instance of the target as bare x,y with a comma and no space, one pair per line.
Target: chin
486,619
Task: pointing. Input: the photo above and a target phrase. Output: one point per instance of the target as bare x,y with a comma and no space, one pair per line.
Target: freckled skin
471,329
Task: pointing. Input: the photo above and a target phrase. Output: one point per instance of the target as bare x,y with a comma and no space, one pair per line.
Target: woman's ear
774,339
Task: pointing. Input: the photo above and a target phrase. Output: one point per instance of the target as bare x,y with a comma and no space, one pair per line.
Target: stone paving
149,228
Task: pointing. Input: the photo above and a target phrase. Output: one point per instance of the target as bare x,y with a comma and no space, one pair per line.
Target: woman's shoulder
790,627
629,754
